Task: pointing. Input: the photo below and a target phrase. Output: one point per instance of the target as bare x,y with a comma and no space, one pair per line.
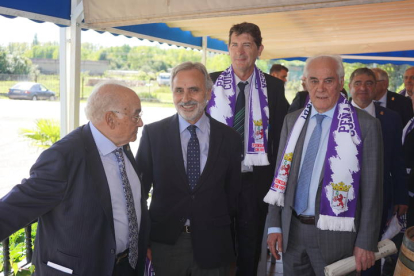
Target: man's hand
401,209
272,240
149,254
364,259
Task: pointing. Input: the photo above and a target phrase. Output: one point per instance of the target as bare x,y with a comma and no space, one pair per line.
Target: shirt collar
370,109
201,123
104,145
328,113
383,99
249,80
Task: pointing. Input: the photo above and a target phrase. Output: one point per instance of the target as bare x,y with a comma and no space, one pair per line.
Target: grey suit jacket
335,245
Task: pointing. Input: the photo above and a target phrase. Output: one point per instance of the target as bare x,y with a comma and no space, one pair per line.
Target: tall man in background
254,104
86,193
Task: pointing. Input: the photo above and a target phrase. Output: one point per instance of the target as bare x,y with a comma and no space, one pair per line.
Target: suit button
112,251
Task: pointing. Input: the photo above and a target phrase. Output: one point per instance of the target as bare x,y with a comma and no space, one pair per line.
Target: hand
149,254
364,259
272,240
401,209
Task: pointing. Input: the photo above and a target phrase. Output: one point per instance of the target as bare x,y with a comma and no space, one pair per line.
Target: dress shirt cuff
272,230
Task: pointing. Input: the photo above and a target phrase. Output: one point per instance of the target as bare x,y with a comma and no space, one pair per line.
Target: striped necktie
131,214
240,110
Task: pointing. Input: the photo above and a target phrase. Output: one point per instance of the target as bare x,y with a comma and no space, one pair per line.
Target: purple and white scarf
403,92
222,108
342,168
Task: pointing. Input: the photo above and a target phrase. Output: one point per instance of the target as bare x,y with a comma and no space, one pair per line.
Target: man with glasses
86,194
193,164
394,101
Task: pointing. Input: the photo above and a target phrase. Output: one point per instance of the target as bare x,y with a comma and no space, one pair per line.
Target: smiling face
243,54
362,89
323,83
190,95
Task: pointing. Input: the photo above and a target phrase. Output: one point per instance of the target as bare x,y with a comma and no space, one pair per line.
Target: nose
186,96
140,123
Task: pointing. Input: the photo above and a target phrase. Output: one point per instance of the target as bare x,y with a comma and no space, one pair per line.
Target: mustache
188,103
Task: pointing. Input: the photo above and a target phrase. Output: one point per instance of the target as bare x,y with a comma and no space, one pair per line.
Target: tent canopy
290,28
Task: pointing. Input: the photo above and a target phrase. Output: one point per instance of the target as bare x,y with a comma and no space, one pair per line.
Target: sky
23,30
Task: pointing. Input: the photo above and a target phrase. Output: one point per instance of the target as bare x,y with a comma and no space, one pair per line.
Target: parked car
164,79
31,91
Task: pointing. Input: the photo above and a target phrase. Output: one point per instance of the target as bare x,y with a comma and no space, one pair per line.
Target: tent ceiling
290,28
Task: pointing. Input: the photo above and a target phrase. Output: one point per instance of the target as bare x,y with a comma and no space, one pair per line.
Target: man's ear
110,119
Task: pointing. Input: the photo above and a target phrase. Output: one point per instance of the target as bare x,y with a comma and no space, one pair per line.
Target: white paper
394,227
347,265
60,268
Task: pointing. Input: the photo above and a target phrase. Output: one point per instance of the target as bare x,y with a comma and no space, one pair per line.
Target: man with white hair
86,194
328,179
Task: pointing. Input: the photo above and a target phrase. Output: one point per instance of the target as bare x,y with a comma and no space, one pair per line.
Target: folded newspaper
347,265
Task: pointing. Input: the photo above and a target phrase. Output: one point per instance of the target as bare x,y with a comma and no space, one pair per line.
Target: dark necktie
239,112
377,103
193,157
305,175
131,214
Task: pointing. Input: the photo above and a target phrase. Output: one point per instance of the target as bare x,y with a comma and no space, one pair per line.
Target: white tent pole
204,50
63,83
74,64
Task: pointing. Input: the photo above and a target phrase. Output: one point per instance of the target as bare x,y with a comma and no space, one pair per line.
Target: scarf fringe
332,223
256,160
274,197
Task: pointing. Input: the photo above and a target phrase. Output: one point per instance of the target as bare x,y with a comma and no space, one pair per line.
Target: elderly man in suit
86,193
408,91
362,86
193,164
394,101
326,196
253,103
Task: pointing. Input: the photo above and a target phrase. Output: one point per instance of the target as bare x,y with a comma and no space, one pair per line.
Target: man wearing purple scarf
259,122
328,179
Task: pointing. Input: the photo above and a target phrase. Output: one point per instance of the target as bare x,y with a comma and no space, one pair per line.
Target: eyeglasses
135,118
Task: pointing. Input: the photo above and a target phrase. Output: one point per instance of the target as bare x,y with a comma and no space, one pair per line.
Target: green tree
35,40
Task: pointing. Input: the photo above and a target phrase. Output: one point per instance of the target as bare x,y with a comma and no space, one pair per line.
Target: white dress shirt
113,176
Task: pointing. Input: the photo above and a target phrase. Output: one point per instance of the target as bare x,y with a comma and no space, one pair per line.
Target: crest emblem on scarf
339,198
258,135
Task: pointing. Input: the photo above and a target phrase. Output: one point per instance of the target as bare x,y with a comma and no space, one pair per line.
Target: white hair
337,59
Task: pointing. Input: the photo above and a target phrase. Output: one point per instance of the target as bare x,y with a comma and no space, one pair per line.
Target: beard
193,115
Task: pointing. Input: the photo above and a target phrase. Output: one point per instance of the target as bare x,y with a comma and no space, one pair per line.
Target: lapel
172,131
215,141
96,171
297,157
390,100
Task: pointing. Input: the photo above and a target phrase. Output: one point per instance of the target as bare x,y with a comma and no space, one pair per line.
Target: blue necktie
305,175
131,214
193,157
239,112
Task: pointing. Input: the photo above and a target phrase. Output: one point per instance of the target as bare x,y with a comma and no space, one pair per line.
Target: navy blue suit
69,194
400,104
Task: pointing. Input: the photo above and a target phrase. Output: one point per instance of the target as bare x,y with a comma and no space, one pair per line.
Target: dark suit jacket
395,187
299,101
210,206
336,245
68,192
400,104
278,106
408,149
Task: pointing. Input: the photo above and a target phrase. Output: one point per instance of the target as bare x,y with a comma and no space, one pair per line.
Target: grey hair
98,104
383,74
337,59
189,66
